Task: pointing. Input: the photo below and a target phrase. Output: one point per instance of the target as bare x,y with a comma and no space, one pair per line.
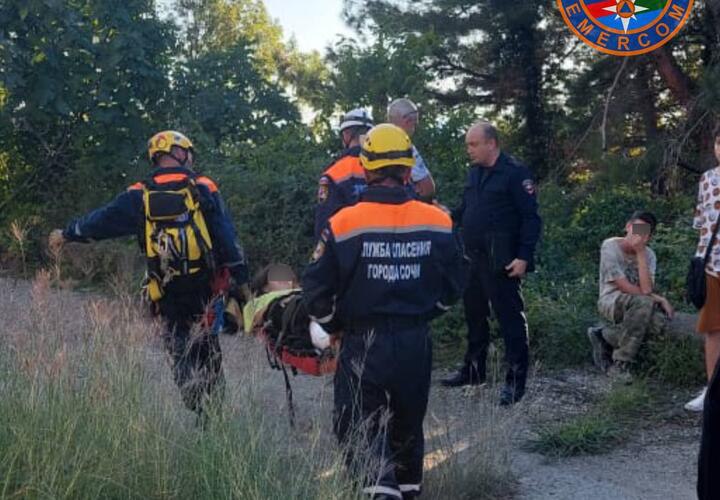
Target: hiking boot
601,350
467,375
509,395
698,404
620,372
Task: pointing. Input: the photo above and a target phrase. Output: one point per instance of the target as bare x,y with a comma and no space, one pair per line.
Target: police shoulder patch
323,189
529,186
319,251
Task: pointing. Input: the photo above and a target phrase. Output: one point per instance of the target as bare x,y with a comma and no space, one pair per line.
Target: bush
272,197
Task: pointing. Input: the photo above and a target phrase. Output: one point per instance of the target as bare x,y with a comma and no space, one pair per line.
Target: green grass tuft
599,430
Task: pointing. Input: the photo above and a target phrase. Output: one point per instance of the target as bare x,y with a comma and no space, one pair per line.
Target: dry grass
89,410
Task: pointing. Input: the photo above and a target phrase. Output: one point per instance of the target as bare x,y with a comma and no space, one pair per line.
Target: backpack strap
184,175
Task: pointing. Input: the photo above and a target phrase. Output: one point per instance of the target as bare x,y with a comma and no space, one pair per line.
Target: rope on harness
276,364
289,396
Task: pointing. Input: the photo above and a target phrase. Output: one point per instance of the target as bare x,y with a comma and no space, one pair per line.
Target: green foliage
392,68
586,435
82,81
676,362
272,194
226,105
449,333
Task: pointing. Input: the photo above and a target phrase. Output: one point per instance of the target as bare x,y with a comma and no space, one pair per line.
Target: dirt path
657,462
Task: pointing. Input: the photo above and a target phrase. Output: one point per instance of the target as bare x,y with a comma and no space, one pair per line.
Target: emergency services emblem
318,252
323,189
320,248
529,186
625,27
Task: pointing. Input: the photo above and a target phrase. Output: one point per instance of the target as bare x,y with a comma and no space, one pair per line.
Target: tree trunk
532,103
672,74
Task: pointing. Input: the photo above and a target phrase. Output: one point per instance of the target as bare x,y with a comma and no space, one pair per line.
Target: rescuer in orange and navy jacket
125,215
342,182
196,361
381,271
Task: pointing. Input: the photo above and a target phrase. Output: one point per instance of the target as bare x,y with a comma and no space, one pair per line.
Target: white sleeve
698,218
420,170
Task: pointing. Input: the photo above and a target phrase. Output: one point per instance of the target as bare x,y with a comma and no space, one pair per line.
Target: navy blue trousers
382,385
504,295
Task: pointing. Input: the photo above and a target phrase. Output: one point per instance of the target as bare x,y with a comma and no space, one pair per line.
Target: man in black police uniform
500,227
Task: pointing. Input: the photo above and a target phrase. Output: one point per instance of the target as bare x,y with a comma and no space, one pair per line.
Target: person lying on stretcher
277,312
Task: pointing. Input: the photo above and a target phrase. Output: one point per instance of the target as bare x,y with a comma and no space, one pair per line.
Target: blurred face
346,136
407,122
717,148
639,228
410,122
480,149
178,157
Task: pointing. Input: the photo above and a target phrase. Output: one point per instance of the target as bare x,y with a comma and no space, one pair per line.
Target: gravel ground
657,462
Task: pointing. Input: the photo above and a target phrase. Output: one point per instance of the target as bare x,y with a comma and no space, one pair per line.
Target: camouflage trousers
638,317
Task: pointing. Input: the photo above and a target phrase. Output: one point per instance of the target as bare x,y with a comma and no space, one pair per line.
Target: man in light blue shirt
404,113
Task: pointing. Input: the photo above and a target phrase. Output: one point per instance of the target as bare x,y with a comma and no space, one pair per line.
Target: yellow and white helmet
162,142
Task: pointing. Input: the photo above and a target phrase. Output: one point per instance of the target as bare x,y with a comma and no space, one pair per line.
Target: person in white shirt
404,114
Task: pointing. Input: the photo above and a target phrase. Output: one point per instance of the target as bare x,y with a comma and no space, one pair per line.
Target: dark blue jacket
125,216
340,186
504,201
386,256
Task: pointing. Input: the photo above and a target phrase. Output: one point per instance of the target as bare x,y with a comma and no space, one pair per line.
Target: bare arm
626,287
646,284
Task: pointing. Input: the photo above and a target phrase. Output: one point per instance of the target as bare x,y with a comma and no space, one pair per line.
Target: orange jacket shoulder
207,181
345,168
367,217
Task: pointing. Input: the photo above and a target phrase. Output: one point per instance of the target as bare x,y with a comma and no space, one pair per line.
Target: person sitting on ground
627,300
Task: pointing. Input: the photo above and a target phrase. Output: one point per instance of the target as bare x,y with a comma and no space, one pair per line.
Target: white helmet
356,118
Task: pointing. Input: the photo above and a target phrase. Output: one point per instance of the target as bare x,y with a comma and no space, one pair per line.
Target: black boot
514,388
511,394
469,374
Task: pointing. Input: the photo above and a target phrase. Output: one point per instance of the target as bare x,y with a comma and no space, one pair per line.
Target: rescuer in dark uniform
179,283
381,271
342,182
500,227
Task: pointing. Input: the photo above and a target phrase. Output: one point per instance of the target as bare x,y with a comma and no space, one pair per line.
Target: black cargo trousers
382,385
485,290
195,355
